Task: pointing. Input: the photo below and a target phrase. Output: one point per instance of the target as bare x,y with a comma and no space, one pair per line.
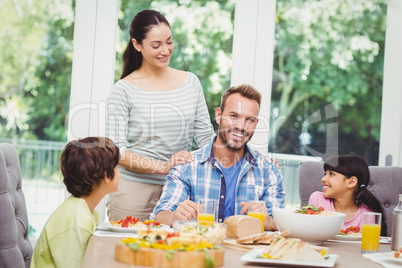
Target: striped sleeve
117,117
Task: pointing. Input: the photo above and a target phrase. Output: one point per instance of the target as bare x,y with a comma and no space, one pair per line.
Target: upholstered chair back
385,184
15,247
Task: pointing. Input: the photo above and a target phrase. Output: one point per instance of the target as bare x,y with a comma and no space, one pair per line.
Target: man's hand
269,224
244,207
186,210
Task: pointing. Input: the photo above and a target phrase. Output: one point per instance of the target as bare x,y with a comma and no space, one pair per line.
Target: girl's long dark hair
353,165
139,27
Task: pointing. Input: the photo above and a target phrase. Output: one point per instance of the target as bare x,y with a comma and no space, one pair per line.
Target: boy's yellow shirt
64,238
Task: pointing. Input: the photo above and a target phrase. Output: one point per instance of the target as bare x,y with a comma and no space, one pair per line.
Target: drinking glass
371,229
206,211
256,209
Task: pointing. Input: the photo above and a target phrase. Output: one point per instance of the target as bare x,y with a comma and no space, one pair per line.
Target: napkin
385,259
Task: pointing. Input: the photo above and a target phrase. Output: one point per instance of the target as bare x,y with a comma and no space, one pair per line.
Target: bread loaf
240,226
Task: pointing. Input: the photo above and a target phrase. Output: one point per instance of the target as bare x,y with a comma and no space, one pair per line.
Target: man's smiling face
237,122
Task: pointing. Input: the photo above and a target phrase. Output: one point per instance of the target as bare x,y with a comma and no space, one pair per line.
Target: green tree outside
328,51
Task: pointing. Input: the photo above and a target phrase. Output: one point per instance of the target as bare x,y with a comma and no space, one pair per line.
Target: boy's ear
107,180
352,182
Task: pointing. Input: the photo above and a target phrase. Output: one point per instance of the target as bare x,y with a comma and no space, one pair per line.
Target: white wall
253,50
93,69
391,116
93,66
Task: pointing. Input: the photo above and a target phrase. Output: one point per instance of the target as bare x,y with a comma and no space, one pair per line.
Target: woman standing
154,112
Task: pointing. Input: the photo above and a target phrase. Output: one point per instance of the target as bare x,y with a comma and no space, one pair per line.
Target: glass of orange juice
257,209
371,229
206,211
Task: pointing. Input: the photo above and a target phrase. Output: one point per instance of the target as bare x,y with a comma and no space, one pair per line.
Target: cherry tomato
310,212
128,220
353,229
172,234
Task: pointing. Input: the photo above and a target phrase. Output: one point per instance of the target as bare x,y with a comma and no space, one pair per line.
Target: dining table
100,253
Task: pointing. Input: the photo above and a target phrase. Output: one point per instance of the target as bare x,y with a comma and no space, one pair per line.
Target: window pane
327,78
36,45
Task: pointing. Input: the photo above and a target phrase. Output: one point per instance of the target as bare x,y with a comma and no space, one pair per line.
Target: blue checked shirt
259,179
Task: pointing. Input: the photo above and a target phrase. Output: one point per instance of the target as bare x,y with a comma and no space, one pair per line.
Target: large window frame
95,38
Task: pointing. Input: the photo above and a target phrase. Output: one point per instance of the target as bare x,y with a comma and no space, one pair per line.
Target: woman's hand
178,159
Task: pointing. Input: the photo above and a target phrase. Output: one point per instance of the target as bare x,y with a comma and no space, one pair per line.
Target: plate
347,238
251,256
390,256
130,230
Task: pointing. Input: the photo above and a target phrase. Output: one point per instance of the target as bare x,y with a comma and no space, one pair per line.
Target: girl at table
345,190
154,112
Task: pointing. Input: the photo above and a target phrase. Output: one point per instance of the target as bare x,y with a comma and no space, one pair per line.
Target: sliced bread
240,226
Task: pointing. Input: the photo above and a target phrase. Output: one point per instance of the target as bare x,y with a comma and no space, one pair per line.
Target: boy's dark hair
85,162
353,165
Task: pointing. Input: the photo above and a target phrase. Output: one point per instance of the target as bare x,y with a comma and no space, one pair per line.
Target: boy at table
89,168
226,169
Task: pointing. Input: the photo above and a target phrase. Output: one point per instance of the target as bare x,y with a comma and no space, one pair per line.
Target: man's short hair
245,90
85,162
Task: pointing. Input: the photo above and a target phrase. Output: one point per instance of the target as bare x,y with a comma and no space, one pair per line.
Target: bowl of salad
309,223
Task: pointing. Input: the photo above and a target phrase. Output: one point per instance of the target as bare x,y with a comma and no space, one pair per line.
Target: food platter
251,256
131,229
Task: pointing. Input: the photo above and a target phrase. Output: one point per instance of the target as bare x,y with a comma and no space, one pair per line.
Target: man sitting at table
226,169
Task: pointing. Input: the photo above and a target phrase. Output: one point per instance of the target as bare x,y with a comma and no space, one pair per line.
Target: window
36,44
255,33
328,78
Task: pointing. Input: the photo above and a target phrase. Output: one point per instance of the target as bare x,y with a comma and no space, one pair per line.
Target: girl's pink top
317,199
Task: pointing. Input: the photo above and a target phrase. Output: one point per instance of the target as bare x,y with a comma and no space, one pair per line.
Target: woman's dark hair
85,162
139,27
353,165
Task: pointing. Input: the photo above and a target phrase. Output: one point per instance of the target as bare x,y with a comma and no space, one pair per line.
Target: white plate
130,230
251,256
390,256
347,238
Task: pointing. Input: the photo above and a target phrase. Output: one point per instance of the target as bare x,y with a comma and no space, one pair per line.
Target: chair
15,247
385,184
